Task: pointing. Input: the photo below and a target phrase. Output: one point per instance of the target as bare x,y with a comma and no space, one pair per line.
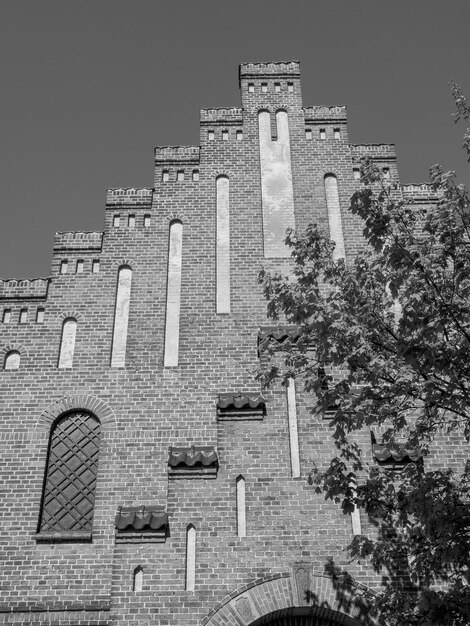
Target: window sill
63,537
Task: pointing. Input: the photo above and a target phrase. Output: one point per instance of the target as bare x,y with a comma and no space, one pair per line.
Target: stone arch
70,403
67,315
125,262
299,592
12,347
176,217
222,173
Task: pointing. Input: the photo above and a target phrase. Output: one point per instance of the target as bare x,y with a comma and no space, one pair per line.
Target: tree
384,339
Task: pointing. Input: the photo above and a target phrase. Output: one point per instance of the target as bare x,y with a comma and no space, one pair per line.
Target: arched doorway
305,616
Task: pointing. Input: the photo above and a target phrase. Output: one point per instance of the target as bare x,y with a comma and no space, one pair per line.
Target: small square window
357,173
336,133
264,87
290,87
239,135
195,175
95,268
210,135
277,87
225,135
116,221
39,315
146,220
180,176
64,265
23,316
251,87
6,319
322,133
386,172
131,221
79,267
308,133
165,176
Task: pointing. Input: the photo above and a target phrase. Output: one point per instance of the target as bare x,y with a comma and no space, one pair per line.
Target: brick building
145,477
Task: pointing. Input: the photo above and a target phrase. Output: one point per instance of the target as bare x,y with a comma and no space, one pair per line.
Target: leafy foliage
391,337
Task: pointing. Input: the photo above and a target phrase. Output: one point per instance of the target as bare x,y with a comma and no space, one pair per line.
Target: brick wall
146,408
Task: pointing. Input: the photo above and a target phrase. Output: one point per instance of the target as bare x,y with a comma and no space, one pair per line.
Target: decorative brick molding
70,315
238,406
299,592
141,524
90,403
194,462
4,350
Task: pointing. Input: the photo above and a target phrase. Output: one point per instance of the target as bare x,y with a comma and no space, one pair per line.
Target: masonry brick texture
145,408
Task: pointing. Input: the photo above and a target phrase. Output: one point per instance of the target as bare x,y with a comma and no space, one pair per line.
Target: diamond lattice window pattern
72,465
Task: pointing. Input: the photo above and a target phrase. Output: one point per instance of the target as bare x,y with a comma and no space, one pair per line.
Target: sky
89,87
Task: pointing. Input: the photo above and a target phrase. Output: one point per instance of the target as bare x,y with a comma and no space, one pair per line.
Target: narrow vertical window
386,172
131,221
79,266
173,295
23,316
322,133
67,343
210,135
72,465
277,193
264,87
251,87
64,264
357,173
39,315
225,135
165,176
293,434
241,507
195,175
336,133
239,135
308,133
138,579
146,221
95,268
12,360
355,515
190,558
334,215
223,246
116,221
277,87
180,176
6,319
121,317
290,87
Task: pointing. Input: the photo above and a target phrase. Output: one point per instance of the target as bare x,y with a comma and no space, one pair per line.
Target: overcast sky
90,87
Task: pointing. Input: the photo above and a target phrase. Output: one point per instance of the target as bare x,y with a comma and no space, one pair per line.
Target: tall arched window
173,295
72,465
223,246
12,360
121,317
334,215
67,343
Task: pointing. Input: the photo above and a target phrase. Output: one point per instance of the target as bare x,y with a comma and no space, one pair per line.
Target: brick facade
146,408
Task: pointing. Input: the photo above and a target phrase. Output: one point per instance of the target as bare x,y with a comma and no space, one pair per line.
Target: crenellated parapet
78,241
278,69
125,196
322,114
375,151
419,193
233,115
177,154
24,289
